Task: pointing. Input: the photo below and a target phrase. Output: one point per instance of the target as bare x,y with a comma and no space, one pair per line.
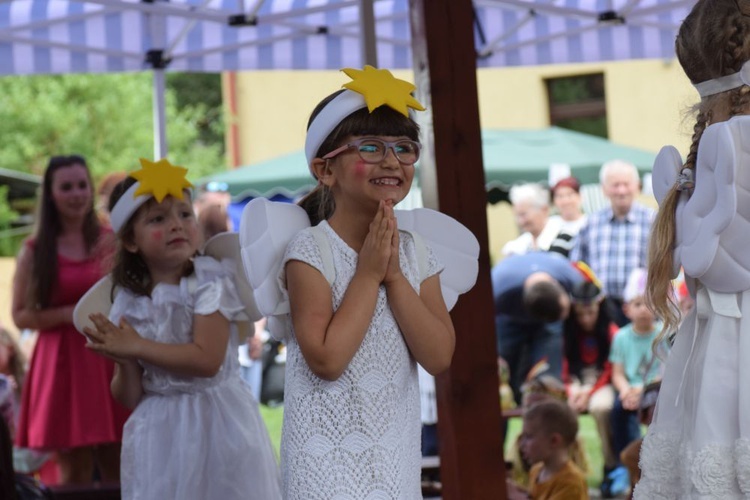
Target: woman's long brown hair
48,228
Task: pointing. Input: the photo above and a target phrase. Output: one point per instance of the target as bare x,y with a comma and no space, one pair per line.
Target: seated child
634,366
549,430
539,387
588,333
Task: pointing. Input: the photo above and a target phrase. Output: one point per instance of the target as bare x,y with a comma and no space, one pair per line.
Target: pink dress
66,402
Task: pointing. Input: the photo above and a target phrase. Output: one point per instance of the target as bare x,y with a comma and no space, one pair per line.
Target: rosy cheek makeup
157,235
360,168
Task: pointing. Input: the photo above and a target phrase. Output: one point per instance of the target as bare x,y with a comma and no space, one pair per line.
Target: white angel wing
713,203
266,228
227,246
98,299
667,165
454,245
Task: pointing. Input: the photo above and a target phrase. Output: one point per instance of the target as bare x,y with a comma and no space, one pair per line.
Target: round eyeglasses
373,150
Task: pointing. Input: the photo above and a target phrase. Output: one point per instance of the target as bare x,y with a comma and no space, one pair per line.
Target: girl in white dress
698,445
195,431
351,404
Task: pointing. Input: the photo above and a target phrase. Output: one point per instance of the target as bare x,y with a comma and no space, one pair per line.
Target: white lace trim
355,438
742,464
712,472
671,469
658,463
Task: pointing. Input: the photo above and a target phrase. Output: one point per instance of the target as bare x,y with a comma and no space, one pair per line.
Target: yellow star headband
370,88
155,180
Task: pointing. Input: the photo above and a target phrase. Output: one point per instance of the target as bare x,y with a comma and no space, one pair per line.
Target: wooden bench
94,491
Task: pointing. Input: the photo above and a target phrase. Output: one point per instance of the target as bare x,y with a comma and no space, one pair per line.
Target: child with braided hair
698,445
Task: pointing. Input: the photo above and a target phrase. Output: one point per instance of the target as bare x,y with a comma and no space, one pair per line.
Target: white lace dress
358,437
698,446
189,437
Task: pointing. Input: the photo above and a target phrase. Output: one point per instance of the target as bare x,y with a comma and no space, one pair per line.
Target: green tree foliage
201,92
106,118
7,215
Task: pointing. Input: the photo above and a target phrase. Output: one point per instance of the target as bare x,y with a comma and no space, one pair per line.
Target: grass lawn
273,418
587,433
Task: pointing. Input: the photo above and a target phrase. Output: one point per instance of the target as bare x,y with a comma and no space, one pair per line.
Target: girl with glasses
352,415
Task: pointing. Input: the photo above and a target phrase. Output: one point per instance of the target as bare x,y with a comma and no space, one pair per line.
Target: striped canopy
67,36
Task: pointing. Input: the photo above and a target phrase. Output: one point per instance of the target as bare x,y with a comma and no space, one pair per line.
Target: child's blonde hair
713,41
555,417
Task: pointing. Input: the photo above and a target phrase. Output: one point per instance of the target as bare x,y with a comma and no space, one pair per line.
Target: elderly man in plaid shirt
614,241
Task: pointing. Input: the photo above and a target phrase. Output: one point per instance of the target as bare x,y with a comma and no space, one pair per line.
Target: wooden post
469,416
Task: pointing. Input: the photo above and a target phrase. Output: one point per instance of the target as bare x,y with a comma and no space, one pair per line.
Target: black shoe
606,487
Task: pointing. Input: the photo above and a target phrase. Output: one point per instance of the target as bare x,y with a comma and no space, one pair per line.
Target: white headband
328,119
126,207
154,180
724,83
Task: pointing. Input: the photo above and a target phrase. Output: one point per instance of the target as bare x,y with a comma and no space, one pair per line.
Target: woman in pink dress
66,403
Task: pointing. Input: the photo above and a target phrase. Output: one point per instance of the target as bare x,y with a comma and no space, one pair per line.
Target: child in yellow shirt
549,429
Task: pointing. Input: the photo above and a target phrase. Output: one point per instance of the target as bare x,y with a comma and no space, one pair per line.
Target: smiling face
166,235
568,202
530,217
356,182
621,186
71,192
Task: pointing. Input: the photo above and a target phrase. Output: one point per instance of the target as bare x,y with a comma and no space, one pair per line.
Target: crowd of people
551,311
570,294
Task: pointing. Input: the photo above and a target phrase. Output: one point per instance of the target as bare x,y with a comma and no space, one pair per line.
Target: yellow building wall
646,101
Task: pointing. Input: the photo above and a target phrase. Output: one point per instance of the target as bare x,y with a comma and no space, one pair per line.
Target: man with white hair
614,241
531,211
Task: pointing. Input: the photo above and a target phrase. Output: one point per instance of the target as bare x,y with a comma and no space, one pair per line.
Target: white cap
636,285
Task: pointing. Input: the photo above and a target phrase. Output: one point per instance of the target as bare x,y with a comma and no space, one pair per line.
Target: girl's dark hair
129,269
571,329
48,228
319,203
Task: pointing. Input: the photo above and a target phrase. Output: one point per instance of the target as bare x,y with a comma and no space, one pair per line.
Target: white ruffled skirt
202,445
698,445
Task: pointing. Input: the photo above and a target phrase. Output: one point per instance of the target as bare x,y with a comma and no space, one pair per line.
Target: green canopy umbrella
510,157
517,156
286,175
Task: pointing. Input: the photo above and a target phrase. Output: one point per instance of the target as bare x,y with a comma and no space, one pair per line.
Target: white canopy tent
91,36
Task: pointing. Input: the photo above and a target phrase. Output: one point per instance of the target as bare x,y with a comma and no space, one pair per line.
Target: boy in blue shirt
634,365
